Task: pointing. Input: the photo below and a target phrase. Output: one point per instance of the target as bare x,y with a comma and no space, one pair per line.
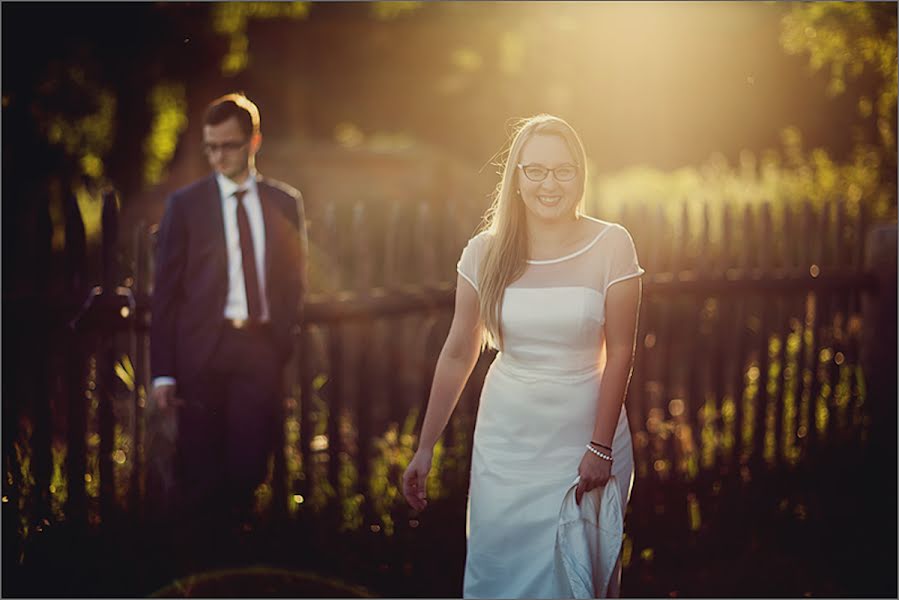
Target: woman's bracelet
609,448
602,455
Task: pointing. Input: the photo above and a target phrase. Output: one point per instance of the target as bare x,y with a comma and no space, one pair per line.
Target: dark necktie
248,258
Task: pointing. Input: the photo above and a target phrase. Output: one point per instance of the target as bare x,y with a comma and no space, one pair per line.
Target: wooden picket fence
751,353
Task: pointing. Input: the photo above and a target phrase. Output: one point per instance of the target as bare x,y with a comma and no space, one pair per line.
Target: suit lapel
216,222
268,214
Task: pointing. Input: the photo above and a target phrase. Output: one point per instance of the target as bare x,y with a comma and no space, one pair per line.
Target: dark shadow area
822,531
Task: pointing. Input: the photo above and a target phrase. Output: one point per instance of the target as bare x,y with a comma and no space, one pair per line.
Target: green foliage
92,103
124,370
76,113
857,41
169,105
393,451
848,37
852,38
348,477
123,461
90,205
232,18
59,491
787,176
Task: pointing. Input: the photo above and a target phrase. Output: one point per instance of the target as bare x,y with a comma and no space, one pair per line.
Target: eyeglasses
209,148
536,172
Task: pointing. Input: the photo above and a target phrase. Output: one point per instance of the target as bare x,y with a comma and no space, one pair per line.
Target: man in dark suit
230,276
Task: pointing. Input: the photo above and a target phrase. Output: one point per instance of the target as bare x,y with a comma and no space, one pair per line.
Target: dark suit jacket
191,285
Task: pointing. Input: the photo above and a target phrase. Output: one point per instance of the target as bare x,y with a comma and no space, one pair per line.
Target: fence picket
75,261
107,381
335,405
38,345
763,398
306,376
138,349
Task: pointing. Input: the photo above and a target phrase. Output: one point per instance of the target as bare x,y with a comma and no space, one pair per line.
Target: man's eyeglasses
209,148
536,172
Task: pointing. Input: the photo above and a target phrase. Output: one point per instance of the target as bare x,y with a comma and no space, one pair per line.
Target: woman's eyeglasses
536,172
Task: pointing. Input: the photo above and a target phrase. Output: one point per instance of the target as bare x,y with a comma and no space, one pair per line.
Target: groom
230,276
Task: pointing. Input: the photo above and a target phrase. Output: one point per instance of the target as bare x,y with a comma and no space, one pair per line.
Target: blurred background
750,148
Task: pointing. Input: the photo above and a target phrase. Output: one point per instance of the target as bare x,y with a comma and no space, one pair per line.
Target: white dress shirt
236,302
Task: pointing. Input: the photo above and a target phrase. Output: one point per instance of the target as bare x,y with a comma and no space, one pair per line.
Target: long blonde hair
505,221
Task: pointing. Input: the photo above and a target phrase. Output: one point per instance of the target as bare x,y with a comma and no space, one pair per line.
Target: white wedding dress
537,412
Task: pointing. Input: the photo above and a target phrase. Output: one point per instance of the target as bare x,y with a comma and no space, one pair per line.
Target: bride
547,286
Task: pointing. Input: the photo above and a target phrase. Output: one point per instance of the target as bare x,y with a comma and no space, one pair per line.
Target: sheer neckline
592,243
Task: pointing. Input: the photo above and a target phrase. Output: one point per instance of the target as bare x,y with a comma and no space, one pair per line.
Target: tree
857,41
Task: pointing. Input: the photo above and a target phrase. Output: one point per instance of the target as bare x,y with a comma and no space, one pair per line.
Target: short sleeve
470,261
623,263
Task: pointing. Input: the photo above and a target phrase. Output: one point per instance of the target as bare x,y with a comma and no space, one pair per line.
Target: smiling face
556,196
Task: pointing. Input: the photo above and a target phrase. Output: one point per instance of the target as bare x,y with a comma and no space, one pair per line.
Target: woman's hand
594,472
415,479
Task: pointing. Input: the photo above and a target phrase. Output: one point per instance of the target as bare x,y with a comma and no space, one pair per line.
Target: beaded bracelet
602,455
609,448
